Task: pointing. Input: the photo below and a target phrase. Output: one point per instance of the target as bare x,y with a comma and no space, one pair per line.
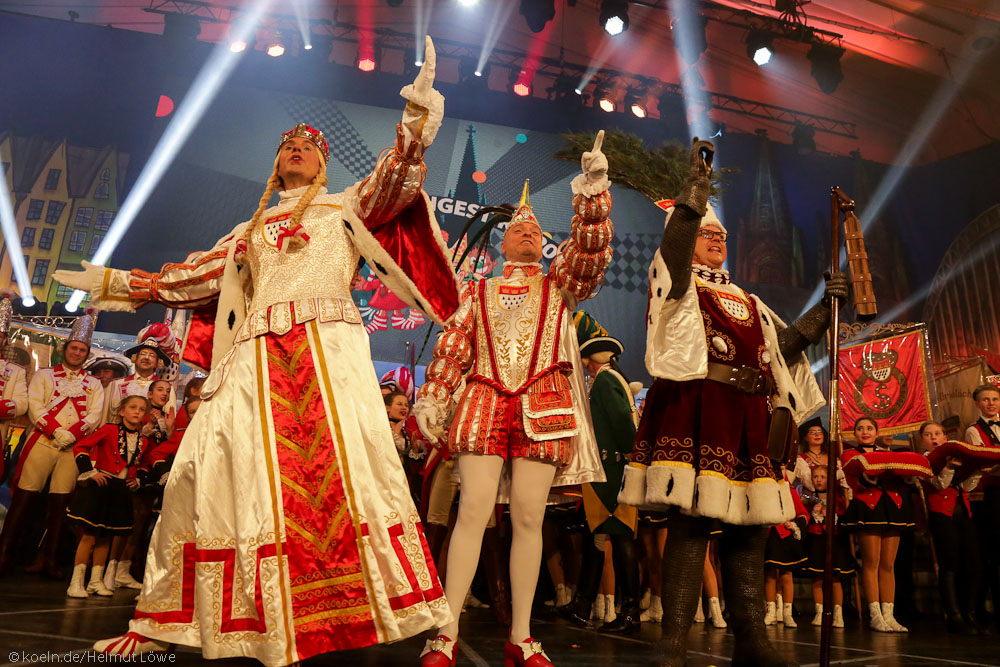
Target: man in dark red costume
724,364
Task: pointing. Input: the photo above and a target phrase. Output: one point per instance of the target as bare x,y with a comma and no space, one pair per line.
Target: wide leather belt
746,379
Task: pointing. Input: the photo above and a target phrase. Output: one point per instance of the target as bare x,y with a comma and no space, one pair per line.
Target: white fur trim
431,100
633,490
383,265
581,186
670,485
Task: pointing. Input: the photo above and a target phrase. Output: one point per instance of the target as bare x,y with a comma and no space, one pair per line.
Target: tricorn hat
157,337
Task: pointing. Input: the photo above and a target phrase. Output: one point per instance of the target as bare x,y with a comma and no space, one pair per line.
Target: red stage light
366,64
522,89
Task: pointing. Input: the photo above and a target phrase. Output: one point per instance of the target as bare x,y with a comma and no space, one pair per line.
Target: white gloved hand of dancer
429,418
63,439
87,280
594,164
425,111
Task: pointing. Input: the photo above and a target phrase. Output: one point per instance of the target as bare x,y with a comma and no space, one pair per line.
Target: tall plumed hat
594,341
6,312
157,337
523,213
310,133
401,379
83,329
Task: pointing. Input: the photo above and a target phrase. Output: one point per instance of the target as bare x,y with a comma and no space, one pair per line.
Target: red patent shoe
439,652
528,653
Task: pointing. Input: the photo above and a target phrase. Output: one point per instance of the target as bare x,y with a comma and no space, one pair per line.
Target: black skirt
885,515
785,553
102,509
844,563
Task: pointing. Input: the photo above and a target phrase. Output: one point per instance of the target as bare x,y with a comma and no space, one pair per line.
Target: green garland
657,174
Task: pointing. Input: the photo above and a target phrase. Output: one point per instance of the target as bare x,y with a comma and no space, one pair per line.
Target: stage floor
37,617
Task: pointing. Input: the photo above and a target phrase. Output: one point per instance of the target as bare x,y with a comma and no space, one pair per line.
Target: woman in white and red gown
287,527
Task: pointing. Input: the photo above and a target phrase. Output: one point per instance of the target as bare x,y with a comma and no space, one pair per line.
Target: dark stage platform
36,617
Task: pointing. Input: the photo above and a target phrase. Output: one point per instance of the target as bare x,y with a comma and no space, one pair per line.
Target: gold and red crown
310,133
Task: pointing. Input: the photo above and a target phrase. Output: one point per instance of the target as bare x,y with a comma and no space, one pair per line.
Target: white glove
428,100
63,439
429,418
594,179
87,280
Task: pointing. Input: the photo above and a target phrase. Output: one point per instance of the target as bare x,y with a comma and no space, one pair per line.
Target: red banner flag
885,379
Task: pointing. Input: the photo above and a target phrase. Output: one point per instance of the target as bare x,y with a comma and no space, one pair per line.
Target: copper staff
865,307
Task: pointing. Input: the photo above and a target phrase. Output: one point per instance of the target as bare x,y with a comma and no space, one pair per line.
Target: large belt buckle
438,645
747,379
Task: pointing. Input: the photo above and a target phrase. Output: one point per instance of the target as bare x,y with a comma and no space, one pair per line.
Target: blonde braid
272,183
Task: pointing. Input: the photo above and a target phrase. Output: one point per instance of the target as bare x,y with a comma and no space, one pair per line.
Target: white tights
480,476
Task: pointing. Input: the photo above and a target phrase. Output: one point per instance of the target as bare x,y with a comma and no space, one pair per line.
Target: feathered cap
157,337
594,341
310,133
83,329
401,379
6,312
524,212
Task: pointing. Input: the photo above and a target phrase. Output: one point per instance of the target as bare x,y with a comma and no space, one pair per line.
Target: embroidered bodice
323,267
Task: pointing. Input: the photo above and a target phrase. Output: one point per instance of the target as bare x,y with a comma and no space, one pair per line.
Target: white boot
769,614
96,584
655,610
76,589
778,609
877,623
109,575
646,599
818,618
597,611
609,608
715,613
838,616
123,576
890,620
787,616
699,614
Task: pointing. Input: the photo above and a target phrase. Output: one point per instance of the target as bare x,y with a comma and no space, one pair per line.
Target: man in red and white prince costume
287,527
524,408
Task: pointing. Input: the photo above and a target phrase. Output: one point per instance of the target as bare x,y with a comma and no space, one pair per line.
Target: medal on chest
512,297
271,229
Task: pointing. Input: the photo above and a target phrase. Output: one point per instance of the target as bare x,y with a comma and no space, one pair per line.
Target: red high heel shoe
528,653
435,653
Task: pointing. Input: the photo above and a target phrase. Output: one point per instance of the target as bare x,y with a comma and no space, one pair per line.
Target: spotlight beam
422,19
502,12
922,131
13,243
209,81
300,19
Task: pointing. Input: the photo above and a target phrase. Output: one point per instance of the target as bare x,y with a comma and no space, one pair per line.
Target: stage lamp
237,46
602,97
804,139
521,89
563,88
366,64
276,48
759,47
537,13
519,83
825,59
614,16
635,101
29,306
